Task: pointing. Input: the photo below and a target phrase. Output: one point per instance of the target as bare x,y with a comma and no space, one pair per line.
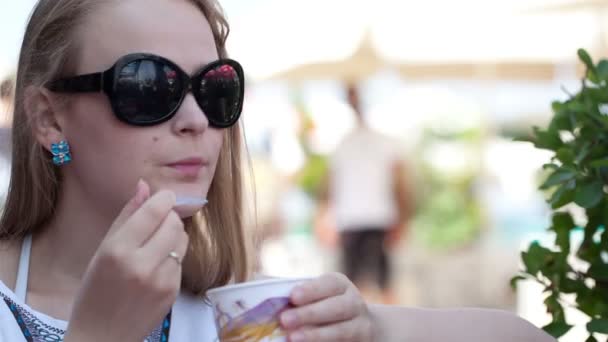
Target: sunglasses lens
220,94
147,91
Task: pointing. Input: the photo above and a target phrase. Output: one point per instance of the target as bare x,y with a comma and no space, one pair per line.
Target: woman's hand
329,308
131,281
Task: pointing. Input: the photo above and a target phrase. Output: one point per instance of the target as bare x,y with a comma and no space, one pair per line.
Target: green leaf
558,177
598,271
548,140
535,258
563,221
562,196
602,306
604,240
515,280
553,305
571,286
589,251
571,184
583,153
529,138
585,302
599,95
597,152
558,107
565,155
561,121
603,171
592,108
602,70
598,325
557,329
599,163
588,132
589,194
592,303
562,224
577,107
585,58
592,76
591,339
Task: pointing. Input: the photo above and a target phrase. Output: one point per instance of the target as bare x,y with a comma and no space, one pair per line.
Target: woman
91,233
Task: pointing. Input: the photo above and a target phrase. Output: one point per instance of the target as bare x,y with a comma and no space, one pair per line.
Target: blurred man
367,193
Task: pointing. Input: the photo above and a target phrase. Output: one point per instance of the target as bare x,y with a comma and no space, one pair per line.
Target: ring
173,255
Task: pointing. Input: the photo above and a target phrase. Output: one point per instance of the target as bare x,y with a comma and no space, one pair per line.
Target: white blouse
191,318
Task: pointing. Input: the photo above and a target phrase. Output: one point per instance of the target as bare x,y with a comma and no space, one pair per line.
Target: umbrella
296,40
363,62
366,61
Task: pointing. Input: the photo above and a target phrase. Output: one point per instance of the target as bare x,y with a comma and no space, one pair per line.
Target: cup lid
255,283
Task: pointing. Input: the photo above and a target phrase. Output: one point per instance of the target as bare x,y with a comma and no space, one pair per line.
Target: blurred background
447,83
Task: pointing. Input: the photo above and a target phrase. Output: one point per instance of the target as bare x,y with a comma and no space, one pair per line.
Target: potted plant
576,176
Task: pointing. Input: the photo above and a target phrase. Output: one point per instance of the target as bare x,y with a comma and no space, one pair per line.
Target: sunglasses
146,89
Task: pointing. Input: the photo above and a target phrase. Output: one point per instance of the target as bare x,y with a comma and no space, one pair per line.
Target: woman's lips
189,167
187,170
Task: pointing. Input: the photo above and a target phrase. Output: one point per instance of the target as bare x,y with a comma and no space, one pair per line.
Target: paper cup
250,312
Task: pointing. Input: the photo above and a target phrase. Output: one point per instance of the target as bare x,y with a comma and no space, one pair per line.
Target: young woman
121,107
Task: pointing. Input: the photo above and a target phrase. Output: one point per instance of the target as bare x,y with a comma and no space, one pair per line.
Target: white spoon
190,201
186,206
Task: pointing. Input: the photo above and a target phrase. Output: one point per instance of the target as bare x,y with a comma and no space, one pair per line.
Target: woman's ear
42,112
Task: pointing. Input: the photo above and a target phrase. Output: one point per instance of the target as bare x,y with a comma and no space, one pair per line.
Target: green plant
311,176
577,176
448,216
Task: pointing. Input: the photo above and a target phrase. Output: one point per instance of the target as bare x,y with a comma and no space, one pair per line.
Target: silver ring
173,255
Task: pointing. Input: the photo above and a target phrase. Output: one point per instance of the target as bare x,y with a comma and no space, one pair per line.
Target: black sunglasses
146,89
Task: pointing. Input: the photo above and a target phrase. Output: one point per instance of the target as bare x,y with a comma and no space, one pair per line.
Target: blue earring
61,153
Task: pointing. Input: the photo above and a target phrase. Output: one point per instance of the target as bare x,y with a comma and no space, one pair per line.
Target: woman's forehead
177,30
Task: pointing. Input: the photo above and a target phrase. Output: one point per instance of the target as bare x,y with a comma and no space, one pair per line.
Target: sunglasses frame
106,82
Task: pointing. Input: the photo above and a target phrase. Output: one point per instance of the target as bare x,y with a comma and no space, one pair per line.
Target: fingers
353,330
328,308
170,237
142,193
329,285
145,221
332,310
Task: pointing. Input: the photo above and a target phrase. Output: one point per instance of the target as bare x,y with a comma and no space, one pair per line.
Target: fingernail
289,319
139,192
142,192
297,337
138,186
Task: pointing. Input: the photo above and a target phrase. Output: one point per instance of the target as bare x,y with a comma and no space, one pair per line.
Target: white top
191,318
362,190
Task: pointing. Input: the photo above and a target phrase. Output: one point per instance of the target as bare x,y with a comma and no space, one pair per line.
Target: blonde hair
218,251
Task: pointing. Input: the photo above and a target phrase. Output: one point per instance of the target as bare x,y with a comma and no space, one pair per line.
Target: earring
61,153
